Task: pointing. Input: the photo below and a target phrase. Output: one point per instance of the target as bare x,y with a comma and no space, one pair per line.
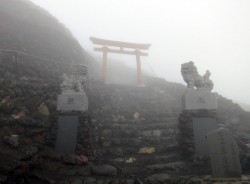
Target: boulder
244,137
158,178
13,142
27,121
81,159
104,170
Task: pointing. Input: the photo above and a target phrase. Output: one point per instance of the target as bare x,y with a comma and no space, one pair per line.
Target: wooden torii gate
122,45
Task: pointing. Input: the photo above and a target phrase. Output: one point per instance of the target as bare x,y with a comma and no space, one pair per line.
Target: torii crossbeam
121,46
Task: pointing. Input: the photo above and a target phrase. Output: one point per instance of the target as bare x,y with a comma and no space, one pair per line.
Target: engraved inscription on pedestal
72,101
199,99
201,127
66,134
224,154
73,97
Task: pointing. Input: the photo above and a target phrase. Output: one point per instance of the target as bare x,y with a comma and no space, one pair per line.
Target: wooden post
139,74
104,64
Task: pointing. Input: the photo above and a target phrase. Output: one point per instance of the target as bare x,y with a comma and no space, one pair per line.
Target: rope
5,50
151,68
8,50
156,76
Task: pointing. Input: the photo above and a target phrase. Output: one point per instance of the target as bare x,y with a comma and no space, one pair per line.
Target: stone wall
29,112
186,132
135,132
129,149
135,127
128,135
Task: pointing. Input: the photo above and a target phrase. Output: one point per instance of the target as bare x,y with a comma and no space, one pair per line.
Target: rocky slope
127,136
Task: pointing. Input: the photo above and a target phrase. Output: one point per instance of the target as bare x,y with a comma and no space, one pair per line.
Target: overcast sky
212,33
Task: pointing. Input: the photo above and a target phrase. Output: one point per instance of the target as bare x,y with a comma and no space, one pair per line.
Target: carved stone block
199,99
224,154
72,101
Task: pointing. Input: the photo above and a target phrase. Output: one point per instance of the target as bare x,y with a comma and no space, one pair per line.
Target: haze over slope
44,37
213,34
37,34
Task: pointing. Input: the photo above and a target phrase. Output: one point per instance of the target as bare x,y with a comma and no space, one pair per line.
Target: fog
213,34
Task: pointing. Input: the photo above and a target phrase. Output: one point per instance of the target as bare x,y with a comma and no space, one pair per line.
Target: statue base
72,101
199,99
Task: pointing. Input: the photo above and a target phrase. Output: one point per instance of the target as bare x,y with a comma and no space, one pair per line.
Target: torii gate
122,45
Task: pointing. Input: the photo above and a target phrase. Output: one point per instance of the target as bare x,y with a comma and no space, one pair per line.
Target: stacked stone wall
186,132
28,109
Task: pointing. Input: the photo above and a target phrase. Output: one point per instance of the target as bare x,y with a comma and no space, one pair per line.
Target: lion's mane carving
193,79
76,80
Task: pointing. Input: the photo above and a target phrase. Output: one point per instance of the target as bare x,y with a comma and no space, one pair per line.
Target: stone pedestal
66,134
72,101
193,126
199,99
201,127
197,120
74,104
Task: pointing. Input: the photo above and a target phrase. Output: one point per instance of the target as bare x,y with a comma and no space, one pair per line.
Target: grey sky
213,33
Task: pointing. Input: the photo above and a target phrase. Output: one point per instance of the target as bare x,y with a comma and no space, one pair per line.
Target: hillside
129,135
244,106
28,28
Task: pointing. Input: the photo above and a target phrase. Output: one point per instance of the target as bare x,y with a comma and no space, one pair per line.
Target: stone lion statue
193,79
76,81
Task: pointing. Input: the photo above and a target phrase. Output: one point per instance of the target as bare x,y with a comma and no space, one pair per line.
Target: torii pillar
138,62
122,45
104,64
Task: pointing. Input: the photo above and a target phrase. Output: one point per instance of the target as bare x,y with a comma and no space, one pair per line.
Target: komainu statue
76,81
193,79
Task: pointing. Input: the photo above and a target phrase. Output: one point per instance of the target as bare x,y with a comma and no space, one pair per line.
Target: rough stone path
137,130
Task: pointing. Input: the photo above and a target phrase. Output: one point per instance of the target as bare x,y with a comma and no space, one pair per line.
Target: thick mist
214,34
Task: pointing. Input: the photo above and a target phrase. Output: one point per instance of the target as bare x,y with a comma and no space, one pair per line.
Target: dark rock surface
104,170
158,178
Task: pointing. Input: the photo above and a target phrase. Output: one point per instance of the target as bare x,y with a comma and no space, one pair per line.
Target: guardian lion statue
193,79
76,81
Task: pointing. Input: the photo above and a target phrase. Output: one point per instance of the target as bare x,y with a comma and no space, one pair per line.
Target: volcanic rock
43,109
27,121
10,141
158,178
104,170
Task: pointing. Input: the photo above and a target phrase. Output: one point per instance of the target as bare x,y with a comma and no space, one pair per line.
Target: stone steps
109,122
127,133
114,151
135,142
133,145
145,165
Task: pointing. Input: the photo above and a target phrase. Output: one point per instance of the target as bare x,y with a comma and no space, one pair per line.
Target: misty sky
212,33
